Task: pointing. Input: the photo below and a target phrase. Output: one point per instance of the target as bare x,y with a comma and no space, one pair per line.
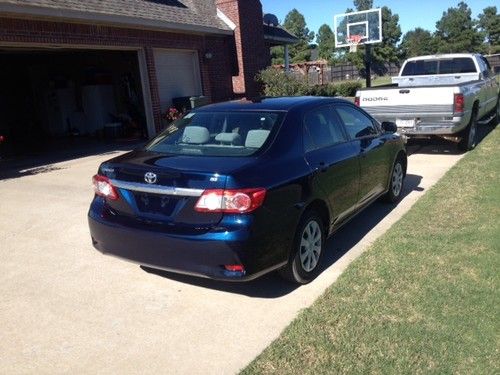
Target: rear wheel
468,140
397,181
496,119
305,257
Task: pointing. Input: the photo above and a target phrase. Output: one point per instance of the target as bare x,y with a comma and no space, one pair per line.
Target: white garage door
178,74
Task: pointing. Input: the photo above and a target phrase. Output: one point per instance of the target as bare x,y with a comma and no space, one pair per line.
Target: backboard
364,27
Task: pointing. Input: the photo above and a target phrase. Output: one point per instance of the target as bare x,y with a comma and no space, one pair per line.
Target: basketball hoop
355,40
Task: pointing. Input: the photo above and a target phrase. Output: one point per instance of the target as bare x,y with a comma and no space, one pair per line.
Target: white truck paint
424,99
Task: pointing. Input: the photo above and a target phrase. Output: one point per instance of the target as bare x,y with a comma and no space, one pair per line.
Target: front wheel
468,141
396,183
305,257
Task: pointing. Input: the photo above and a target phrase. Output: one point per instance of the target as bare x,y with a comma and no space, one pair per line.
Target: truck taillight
356,101
104,188
231,201
458,104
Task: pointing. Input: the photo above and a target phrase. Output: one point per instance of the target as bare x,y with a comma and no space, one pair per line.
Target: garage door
178,74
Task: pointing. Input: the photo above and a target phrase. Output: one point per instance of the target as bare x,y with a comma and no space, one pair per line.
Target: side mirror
389,127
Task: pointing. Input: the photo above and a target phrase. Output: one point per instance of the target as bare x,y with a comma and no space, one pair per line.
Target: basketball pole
368,64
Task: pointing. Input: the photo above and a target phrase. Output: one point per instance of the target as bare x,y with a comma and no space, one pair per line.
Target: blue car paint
201,243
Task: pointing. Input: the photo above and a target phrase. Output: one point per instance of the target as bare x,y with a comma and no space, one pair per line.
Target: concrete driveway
68,309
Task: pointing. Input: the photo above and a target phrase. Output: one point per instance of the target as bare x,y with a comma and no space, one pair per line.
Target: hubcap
310,246
397,179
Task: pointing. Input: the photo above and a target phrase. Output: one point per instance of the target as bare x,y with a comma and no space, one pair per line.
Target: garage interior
57,99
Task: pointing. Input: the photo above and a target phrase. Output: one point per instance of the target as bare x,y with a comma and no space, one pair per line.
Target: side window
321,129
357,124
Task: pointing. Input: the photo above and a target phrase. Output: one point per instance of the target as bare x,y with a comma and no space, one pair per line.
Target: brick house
72,66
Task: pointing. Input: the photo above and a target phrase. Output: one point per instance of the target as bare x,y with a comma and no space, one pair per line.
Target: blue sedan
235,190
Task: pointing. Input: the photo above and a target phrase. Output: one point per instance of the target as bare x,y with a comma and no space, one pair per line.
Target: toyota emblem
150,177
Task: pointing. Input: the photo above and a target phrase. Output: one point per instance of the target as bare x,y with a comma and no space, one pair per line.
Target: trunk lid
162,190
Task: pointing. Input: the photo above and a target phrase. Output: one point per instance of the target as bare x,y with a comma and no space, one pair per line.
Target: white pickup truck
440,95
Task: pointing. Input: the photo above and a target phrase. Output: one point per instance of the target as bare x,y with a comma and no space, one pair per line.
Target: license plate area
156,203
405,123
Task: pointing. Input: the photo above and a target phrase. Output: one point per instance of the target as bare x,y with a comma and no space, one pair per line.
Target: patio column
287,59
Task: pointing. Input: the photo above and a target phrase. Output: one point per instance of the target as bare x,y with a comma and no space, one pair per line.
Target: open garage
61,97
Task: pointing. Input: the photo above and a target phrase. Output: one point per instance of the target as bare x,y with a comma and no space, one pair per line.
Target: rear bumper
200,255
429,127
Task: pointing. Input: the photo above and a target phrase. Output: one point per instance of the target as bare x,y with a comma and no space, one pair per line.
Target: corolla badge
150,177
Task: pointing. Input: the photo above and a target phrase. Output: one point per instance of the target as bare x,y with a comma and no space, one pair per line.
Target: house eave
68,15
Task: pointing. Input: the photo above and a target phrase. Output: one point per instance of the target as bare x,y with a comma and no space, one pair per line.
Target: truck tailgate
408,102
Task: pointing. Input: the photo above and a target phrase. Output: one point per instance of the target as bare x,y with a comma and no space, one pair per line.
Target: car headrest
195,135
256,138
229,138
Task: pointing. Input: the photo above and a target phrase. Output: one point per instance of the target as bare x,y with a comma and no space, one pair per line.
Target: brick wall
215,73
252,51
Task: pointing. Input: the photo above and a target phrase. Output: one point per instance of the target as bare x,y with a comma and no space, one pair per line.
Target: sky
412,13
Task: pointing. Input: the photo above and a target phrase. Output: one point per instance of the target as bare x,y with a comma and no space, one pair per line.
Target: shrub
348,88
277,83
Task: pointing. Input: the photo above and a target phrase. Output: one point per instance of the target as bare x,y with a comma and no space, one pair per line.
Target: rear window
439,66
218,133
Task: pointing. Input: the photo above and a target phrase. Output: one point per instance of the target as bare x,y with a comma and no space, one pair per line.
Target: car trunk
168,200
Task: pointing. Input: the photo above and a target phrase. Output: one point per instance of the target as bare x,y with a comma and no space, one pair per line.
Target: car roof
271,104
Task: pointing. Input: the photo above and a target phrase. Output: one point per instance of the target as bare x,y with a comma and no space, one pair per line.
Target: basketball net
355,40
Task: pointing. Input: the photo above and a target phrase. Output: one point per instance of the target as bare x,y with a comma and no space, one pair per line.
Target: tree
457,32
363,4
326,42
417,42
489,24
296,24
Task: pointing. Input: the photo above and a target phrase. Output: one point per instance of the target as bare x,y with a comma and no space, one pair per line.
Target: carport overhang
148,108
69,15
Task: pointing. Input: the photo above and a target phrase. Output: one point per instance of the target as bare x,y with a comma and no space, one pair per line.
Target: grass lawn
425,298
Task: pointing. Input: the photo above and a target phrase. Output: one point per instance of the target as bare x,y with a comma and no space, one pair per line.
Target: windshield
228,133
439,66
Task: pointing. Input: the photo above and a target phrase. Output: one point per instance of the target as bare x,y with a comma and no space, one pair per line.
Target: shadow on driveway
271,285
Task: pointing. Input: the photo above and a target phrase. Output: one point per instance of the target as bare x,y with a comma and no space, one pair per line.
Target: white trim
226,19
102,18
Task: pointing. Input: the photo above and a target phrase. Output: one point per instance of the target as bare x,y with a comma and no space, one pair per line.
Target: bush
348,88
275,82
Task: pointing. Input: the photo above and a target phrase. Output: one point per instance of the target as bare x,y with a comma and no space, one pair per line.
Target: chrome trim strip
157,189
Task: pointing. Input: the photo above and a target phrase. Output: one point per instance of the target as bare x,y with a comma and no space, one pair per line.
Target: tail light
104,188
230,201
356,101
458,104
2,138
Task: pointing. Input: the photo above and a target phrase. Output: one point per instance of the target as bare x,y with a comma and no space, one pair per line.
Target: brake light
356,101
458,104
104,188
231,201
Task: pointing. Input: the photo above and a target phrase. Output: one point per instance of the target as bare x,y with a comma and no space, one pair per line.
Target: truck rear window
439,66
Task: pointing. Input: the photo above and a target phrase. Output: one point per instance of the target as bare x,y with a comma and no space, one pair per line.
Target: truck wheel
468,140
308,247
496,120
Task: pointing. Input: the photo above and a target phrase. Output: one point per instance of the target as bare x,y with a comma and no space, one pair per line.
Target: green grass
423,299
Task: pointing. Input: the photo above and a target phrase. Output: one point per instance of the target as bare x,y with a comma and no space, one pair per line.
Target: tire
308,247
397,182
469,140
496,119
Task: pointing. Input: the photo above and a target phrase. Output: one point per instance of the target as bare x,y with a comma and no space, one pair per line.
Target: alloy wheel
397,179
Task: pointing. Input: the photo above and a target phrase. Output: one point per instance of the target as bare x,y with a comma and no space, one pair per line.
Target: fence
319,72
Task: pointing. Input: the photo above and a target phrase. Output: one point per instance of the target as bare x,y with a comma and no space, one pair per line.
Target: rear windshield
218,133
439,66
